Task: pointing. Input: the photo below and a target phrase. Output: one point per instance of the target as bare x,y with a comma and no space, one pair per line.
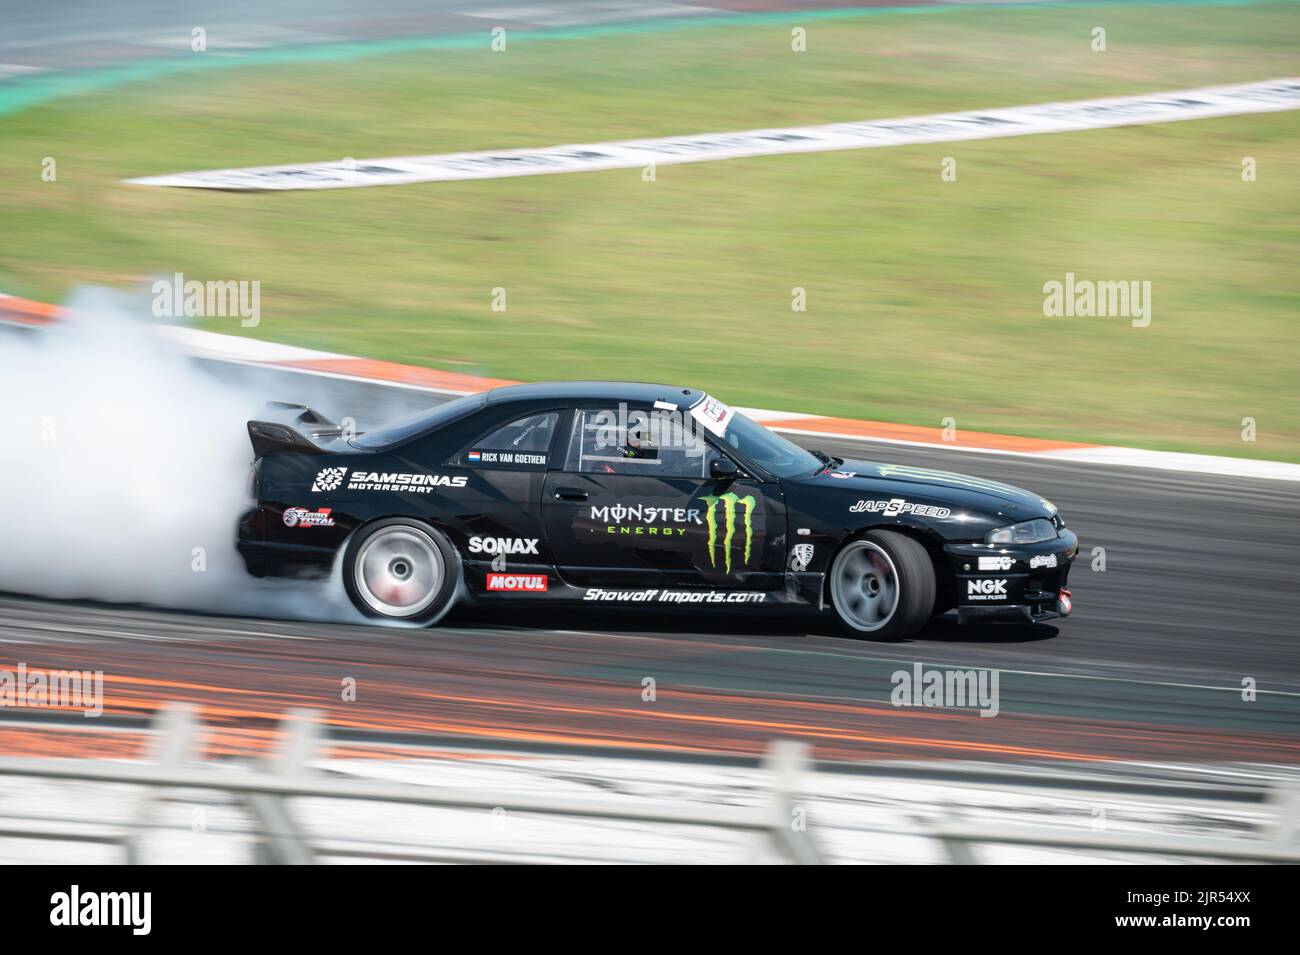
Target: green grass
924,297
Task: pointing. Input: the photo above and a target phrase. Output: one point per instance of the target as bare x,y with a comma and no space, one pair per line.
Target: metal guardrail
265,788
1277,843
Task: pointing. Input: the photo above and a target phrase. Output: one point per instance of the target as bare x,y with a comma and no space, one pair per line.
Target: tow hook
1063,603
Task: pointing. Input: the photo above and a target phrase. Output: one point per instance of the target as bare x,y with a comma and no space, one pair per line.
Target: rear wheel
399,569
882,585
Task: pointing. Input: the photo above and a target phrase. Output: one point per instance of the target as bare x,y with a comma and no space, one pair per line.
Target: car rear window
414,425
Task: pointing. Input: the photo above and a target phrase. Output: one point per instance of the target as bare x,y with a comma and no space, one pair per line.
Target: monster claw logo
729,501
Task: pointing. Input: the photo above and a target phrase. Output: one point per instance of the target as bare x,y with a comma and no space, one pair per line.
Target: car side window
651,444
525,442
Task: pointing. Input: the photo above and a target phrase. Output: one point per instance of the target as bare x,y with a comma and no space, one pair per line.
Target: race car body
609,493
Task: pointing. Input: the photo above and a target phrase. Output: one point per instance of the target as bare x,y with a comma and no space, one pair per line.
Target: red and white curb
234,348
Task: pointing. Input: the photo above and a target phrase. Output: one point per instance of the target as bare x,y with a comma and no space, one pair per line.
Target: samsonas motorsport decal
398,481
402,481
329,479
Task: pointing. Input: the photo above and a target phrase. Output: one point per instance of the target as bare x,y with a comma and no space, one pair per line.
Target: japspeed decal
895,506
677,596
502,545
528,583
986,589
1043,560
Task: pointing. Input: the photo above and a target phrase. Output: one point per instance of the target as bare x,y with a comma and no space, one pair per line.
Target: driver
639,446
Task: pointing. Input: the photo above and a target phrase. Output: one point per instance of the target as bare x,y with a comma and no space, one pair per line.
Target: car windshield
412,425
768,450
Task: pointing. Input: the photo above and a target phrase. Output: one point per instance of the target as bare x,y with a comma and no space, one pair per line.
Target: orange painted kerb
375,370
38,313
28,313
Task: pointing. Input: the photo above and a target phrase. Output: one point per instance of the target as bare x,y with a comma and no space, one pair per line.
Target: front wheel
882,586
399,569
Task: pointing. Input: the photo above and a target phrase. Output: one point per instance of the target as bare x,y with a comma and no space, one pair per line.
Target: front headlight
1026,532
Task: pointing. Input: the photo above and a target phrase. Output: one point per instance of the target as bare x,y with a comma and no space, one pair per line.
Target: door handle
570,494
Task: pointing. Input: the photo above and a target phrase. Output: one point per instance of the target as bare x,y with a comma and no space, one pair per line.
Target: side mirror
723,469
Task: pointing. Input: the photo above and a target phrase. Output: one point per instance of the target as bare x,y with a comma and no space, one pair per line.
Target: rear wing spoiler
290,428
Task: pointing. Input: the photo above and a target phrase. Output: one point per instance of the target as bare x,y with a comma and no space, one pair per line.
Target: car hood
961,490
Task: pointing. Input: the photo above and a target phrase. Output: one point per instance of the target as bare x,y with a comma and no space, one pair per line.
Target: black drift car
617,494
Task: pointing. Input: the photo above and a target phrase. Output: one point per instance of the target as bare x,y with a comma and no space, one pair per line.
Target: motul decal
531,583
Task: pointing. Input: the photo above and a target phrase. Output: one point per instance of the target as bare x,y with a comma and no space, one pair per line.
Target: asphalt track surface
1195,598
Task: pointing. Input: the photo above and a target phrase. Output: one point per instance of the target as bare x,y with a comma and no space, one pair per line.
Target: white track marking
1059,117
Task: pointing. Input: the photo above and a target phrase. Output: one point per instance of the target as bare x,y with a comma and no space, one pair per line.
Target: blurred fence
769,831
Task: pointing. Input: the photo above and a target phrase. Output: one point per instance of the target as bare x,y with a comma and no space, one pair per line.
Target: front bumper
1024,583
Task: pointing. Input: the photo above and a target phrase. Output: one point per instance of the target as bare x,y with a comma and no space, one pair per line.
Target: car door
499,526
634,505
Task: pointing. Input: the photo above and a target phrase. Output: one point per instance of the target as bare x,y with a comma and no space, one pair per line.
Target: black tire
401,569
882,586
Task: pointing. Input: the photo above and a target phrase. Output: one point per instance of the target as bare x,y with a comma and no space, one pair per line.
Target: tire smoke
125,469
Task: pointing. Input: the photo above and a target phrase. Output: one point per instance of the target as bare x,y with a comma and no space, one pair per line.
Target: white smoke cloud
124,467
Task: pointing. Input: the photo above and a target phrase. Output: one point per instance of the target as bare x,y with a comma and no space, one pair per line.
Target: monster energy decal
729,502
720,527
